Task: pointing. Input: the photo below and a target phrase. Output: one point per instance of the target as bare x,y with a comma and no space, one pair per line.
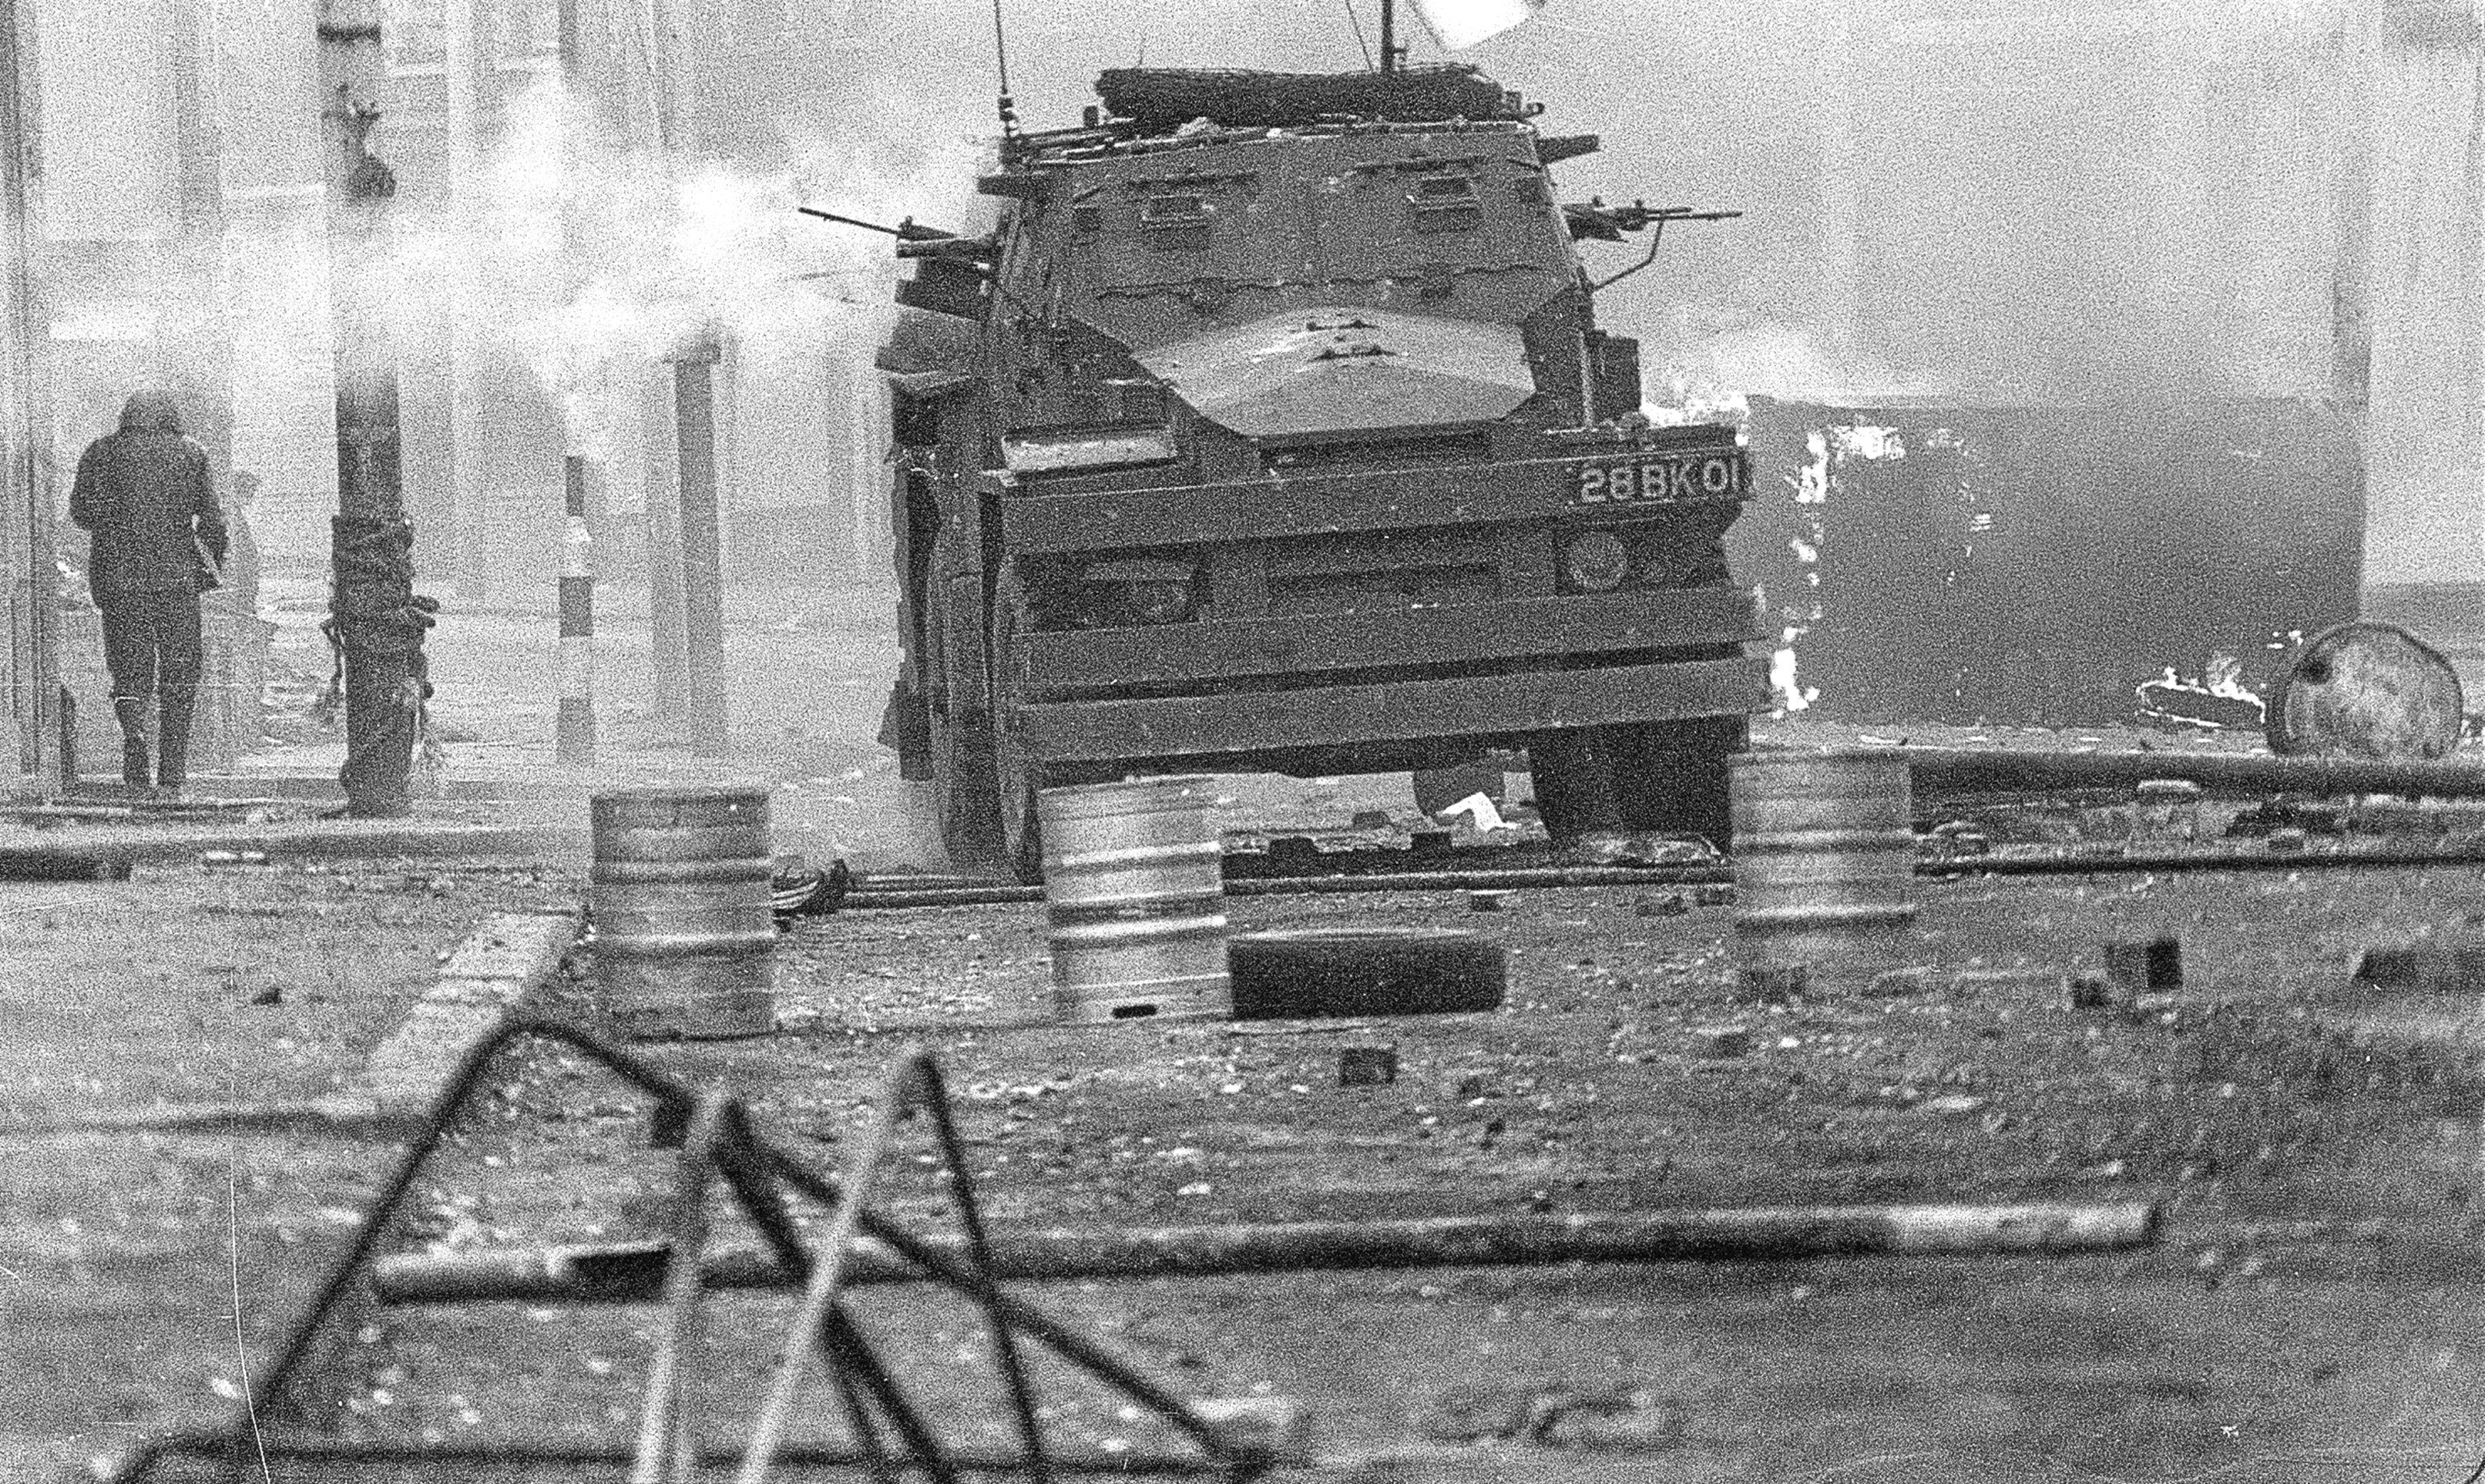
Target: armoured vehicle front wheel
963,797
1018,779
1670,777
1437,789
1574,793
1022,828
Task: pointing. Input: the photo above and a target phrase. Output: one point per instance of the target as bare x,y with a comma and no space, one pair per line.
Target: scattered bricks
1717,895
1367,1066
1293,850
1474,1085
2165,811
2153,1010
1636,1421
1771,984
1720,1043
1370,819
1428,843
2430,966
2150,966
1486,901
2094,989
2399,967
1895,982
1671,904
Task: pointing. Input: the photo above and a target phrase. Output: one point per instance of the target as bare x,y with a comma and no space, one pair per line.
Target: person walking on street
144,495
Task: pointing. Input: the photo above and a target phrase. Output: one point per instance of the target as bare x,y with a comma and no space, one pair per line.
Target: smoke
1999,203
587,259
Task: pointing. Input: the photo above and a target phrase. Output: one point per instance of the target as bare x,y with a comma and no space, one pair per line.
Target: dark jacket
145,494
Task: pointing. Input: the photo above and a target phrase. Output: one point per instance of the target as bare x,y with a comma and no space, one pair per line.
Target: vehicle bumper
1550,630
1327,716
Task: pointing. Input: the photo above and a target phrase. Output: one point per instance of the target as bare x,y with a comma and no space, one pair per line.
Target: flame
1792,696
1867,441
1810,486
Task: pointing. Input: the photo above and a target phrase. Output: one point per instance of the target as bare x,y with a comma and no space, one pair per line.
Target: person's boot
172,743
131,712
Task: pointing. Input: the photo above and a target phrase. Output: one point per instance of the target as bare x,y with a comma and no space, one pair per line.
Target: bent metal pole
635,1272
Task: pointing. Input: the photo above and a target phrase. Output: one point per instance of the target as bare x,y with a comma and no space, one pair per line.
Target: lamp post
375,621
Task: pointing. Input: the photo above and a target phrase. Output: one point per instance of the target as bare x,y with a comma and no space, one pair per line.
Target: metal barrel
1135,883
1824,861
678,894
2365,690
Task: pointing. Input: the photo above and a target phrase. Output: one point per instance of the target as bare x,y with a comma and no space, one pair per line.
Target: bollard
1134,885
1824,863
678,894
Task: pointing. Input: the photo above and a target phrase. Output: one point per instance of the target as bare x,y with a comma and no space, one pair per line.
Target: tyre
1018,779
1670,777
1364,971
966,798
1574,793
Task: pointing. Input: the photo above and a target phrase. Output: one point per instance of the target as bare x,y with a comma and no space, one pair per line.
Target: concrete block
1771,984
2094,989
1367,1066
2146,965
1720,1043
2426,966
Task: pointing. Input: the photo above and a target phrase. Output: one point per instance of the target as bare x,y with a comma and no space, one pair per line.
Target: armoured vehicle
1271,429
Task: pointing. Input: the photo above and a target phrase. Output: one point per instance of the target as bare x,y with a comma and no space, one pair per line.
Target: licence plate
1659,479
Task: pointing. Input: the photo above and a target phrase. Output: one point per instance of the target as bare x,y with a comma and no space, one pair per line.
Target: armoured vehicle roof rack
1162,99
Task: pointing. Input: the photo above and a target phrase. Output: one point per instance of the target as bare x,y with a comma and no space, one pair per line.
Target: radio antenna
1356,22
1001,56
